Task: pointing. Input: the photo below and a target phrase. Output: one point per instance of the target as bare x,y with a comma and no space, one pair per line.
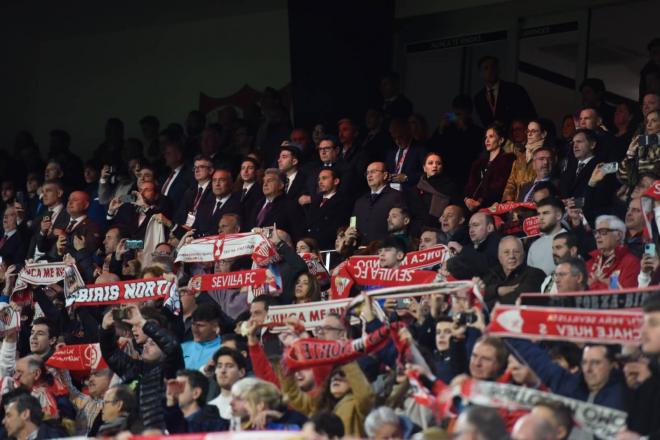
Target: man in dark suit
377,142
52,218
250,193
329,150
500,100
405,163
275,208
12,245
179,178
327,212
350,151
372,208
194,198
133,218
288,163
208,217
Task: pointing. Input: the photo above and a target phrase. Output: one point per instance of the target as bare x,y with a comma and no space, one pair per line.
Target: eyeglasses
603,231
561,274
368,172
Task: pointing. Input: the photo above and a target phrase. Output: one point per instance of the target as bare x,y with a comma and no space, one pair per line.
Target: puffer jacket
151,388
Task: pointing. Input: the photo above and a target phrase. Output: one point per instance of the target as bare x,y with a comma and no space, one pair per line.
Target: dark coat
283,212
413,165
298,187
512,101
323,221
187,203
151,388
528,279
206,222
489,188
14,248
207,419
128,216
372,216
475,262
249,201
45,243
180,184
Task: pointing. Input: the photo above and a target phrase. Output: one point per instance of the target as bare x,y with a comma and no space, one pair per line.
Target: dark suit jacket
526,187
489,189
46,243
323,221
572,185
412,165
249,201
284,213
180,184
206,222
298,187
372,217
187,205
347,180
512,101
14,248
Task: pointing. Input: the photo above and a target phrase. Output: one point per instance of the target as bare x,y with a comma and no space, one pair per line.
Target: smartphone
352,222
649,248
20,198
403,303
120,314
647,140
128,198
134,244
610,167
579,202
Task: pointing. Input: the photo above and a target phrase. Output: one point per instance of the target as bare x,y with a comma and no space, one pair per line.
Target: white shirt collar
247,185
204,185
329,196
10,233
379,190
585,161
223,200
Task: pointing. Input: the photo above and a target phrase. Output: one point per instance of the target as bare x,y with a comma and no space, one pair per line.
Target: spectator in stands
593,95
564,245
377,141
206,223
249,185
179,178
428,238
571,275
558,414
23,420
350,151
206,336
406,161
391,253
476,258
395,104
634,221
306,289
186,409
435,190
542,167
326,211
500,101
458,140
452,225
488,175
372,208
383,423
398,224
534,426
120,412
607,150
288,163
324,425
626,120
506,281
539,134
12,242
550,212
479,422
642,158
612,265
70,164
230,367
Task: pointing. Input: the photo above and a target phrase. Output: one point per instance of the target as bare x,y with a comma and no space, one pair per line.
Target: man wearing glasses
372,208
612,265
331,328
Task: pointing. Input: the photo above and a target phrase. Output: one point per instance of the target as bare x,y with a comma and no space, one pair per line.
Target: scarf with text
122,292
224,246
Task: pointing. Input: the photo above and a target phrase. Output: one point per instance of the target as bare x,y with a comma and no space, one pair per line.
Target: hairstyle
201,157
196,380
571,239
378,417
30,403
128,401
235,216
275,172
567,350
263,392
562,414
551,201
155,270
404,210
236,356
578,267
588,133
314,291
651,304
501,351
611,351
208,312
512,238
614,223
656,111
487,422
239,340
53,331
436,231
242,386
312,243
263,299
487,58
332,172
552,189
331,138
499,129
328,424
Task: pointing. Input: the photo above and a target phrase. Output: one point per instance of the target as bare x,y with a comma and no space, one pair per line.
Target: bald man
534,427
82,237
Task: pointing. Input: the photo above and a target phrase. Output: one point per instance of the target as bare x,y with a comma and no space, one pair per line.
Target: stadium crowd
512,204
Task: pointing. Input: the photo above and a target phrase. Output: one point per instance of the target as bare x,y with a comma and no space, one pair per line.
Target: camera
466,318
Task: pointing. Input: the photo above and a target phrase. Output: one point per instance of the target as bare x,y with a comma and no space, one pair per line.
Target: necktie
3,240
197,198
287,184
218,205
324,200
373,197
580,167
262,214
70,227
166,185
491,98
244,193
530,193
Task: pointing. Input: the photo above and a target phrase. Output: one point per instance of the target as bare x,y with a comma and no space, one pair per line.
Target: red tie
166,185
197,198
324,201
3,240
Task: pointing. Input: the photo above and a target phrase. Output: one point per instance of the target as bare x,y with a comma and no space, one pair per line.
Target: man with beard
564,245
550,213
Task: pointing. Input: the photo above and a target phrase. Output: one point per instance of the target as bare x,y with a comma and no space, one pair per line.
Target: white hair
613,222
244,385
378,417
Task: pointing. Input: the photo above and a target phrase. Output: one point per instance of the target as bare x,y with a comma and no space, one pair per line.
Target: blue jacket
566,383
197,354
